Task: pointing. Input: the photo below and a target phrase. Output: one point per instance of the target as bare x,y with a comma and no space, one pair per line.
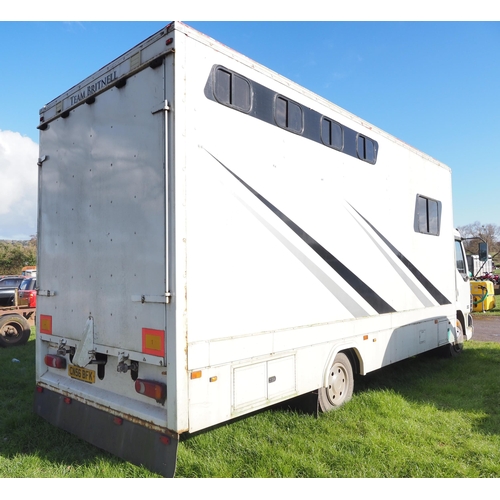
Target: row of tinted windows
236,91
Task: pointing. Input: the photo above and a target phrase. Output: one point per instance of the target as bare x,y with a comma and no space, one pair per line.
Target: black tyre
14,330
453,350
340,384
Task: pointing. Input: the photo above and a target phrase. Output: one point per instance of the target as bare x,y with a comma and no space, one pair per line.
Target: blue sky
433,85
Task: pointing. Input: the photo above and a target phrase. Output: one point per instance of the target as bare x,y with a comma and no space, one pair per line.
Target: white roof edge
207,40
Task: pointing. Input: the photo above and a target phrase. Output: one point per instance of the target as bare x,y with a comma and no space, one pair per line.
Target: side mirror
483,252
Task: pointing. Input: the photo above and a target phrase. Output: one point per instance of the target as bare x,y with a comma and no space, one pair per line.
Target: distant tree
477,232
14,255
33,241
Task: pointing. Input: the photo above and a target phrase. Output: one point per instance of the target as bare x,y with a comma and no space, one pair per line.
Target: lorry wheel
14,330
453,350
340,384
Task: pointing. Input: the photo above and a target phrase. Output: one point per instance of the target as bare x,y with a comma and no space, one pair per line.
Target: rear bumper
128,440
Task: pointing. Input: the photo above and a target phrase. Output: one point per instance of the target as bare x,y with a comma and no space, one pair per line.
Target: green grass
423,417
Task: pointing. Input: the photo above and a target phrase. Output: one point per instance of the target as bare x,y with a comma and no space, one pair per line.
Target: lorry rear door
102,304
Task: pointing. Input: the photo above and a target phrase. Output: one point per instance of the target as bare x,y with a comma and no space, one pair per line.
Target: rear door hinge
41,160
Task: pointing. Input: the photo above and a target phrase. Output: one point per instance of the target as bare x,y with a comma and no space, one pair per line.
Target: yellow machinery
483,294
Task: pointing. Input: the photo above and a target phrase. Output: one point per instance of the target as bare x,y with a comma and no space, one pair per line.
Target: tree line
476,233
14,255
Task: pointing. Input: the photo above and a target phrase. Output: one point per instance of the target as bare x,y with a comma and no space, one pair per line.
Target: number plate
81,374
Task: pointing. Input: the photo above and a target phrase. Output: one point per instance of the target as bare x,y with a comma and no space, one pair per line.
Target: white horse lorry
215,239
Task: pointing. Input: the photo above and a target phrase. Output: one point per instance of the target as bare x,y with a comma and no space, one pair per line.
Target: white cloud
18,186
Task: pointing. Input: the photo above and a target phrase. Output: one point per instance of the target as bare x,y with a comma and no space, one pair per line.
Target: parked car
27,293
11,280
8,287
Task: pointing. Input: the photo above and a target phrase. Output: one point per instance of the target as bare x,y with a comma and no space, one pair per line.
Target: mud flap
130,441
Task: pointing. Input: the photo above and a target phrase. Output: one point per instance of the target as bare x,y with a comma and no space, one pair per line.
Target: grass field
425,417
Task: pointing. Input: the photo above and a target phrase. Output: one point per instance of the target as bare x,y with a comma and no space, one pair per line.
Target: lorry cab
462,287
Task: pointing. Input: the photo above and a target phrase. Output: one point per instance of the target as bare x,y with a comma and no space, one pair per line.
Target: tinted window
232,90
459,255
280,112
366,149
294,117
258,101
432,207
422,214
28,284
427,215
223,86
331,133
288,114
10,283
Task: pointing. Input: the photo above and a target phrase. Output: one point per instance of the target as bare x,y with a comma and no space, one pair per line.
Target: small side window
288,115
427,215
232,90
367,149
331,133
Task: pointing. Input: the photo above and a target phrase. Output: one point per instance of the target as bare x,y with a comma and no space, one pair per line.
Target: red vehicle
14,326
27,293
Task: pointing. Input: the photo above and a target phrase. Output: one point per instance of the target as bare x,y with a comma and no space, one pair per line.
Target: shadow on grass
468,382
41,447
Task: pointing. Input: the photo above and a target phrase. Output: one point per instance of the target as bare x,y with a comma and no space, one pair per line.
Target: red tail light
155,390
55,361
32,298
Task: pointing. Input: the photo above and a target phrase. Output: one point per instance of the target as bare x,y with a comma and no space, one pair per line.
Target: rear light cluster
148,388
55,361
151,389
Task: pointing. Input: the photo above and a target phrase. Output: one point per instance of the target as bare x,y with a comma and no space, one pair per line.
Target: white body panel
258,252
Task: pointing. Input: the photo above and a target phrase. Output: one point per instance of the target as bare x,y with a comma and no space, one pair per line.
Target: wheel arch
352,352
467,324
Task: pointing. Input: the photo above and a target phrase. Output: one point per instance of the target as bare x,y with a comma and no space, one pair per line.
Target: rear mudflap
128,440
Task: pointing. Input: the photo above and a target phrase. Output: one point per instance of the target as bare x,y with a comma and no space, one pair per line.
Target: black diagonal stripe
438,296
362,288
